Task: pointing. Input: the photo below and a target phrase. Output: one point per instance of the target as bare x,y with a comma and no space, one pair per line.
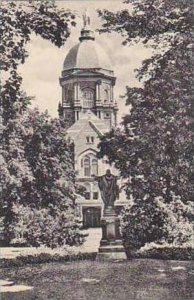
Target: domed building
89,110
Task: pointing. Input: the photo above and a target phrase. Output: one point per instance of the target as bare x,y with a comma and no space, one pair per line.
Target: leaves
44,226
150,21
18,21
49,155
37,175
154,147
154,221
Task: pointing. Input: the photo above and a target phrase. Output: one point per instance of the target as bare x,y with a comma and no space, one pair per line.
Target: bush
45,258
51,227
154,221
169,252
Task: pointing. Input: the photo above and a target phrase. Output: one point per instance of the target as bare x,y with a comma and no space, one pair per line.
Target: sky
43,67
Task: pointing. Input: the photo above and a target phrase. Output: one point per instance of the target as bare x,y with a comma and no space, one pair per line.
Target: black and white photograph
96,150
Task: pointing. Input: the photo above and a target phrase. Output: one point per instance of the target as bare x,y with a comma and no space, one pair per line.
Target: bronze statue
108,188
86,20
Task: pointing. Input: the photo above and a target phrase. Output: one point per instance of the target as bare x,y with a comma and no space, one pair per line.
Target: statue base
111,247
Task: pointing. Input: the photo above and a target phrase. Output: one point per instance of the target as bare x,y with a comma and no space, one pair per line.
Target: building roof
87,54
86,118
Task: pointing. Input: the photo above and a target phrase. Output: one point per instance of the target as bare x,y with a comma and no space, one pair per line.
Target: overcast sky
43,67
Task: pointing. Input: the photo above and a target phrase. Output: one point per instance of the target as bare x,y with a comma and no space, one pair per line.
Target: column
75,91
78,92
99,96
98,90
111,93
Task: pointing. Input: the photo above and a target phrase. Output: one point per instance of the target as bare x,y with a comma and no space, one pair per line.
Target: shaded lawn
140,279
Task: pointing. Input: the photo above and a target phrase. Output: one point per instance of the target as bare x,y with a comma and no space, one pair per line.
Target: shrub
45,258
154,221
166,251
51,227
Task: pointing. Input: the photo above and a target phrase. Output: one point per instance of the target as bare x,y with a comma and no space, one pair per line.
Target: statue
86,20
111,246
108,188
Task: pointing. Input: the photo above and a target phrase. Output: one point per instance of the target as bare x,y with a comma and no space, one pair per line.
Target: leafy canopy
154,149
37,175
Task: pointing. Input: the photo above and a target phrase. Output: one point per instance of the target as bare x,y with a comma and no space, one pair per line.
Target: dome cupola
87,81
87,54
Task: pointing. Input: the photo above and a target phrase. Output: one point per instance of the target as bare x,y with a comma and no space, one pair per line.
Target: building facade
89,109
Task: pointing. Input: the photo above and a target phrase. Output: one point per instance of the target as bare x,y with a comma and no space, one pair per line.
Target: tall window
106,95
90,165
94,166
88,98
86,163
69,95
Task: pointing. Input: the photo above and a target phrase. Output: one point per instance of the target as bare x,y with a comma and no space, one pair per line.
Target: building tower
89,109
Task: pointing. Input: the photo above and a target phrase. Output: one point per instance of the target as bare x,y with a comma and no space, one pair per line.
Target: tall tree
154,150
18,21
51,204
16,178
49,154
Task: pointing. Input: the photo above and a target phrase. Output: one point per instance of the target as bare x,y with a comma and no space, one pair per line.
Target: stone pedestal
111,247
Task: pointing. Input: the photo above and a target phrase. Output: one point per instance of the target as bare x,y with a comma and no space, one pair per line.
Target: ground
90,245
139,279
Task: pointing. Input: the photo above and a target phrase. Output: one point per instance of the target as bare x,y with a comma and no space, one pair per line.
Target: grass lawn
139,279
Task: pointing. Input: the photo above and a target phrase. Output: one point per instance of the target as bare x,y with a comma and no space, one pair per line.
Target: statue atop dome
86,20
86,32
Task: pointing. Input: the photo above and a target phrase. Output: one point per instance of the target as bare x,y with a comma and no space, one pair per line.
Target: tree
19,20
49,214
37,227
49,155
16,178
155,221
154,147
19,176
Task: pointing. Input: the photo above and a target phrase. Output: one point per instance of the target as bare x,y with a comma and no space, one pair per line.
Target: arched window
89,163
86,163
106,92
88,98
94,167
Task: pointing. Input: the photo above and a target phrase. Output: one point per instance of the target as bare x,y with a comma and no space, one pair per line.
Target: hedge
21,261
166,253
